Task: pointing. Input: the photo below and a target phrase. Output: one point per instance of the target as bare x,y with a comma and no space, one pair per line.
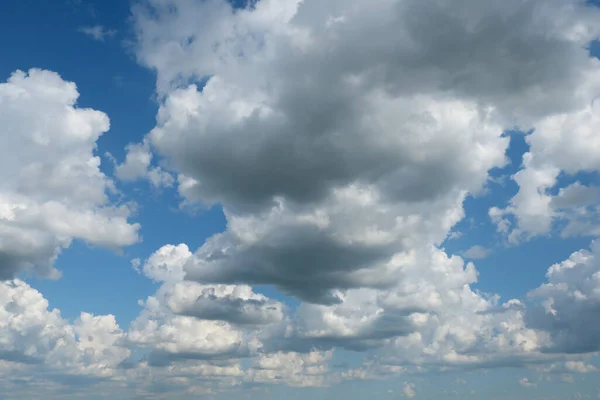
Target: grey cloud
341,139
235,304
19,357
236,311
302,262
576,195
285,116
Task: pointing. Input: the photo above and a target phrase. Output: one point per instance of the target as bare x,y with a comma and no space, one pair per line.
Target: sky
333,199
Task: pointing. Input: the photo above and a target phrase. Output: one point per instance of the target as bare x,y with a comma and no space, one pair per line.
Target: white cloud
98,32
191,321
477,252
340,177
569,303
32,334
137,165
409,390
341,138
569,367
561,143
52,188
294,369
301,173
580,367
525,382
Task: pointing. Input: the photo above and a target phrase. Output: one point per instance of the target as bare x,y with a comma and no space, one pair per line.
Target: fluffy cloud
293,369
328,161
234,303
569,302
353,240
32,334
52,189
189,321
137,165
561,143
341,139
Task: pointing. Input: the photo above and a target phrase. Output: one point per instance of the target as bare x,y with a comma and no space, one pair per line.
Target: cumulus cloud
33,334
137,165
52,188
327,161
189,321
561,143
341,139
234,303
569,302
293,369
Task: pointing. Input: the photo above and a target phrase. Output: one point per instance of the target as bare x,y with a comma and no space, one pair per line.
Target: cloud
98,32
341,139
569,302
409,390
32,334
137,165
525,382
294,369
569,367
190,321
53,190
561,143
340,177
325,179
477,252
237,304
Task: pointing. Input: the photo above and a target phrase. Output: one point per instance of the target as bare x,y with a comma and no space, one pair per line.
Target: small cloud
477,252
460,381
119,81
580,367
135,263
567,378
409,390
527,383
98,32
455,235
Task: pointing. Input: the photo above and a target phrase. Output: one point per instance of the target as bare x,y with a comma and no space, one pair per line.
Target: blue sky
310,106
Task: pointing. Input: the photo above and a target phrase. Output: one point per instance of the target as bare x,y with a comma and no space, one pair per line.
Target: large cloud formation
338,135
52,190
341,138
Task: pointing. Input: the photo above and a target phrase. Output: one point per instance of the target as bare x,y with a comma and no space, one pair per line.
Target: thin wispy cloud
98,32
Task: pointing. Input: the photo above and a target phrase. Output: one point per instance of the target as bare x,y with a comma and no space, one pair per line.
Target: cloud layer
341,139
